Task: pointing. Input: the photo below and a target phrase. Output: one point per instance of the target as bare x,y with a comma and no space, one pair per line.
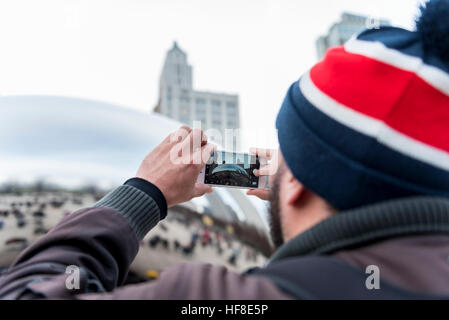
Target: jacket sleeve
189,281
97,243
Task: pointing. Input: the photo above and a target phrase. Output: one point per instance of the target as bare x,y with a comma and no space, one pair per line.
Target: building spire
176,47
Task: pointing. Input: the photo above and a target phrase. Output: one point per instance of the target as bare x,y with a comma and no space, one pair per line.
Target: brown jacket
408,241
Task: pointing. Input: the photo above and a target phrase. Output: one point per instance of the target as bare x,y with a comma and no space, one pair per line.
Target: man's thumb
201,189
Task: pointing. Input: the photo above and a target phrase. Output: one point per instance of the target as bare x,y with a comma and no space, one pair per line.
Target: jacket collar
354,227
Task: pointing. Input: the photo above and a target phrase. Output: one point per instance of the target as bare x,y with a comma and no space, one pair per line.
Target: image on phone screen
232,169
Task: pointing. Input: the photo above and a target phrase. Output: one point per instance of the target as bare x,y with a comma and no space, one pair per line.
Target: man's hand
267,170
174,165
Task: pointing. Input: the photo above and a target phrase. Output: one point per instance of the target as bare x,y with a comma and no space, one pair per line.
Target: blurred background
87,88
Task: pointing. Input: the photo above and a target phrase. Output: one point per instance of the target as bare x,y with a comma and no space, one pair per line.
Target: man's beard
275,212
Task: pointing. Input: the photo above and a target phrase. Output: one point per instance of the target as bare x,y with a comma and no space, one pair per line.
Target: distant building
342,31
178,99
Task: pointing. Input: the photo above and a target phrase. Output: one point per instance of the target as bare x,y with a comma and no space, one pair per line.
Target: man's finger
201,189
201,156
179,135
262,153
264,171
193,141
263,194
186,128
206,152
199,138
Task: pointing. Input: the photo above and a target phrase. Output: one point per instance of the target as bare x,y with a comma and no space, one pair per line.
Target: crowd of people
25,217
190,239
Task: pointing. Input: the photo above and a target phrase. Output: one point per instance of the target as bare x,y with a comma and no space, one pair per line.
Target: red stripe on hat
399,98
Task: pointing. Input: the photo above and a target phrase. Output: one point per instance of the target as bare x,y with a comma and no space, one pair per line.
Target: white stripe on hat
376,50
375,128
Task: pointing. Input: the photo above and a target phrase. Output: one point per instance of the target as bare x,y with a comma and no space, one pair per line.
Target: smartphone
233,170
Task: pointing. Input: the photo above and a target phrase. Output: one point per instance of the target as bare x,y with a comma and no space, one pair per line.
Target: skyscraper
342,31
179,100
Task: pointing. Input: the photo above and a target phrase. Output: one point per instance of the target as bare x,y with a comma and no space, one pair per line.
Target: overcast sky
113,50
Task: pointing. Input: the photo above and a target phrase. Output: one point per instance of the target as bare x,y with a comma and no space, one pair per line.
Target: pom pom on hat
433,25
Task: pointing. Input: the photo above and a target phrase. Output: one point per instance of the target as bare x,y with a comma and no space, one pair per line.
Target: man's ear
293,189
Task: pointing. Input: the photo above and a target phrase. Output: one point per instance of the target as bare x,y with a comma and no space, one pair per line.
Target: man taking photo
361,188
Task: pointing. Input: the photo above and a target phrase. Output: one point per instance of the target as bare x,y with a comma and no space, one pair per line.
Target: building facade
342,31
179,100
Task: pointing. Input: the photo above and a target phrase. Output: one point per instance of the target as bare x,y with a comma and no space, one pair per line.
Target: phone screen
232,169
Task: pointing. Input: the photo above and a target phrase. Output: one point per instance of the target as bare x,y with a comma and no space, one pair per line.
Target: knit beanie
370,122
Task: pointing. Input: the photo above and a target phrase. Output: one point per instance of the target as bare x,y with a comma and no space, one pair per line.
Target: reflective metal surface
73,142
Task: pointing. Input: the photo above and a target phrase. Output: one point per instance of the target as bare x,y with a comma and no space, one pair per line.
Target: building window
231,116
231,112
216,114
231,124
200,101
184,114
178,71
201,108
230,105
216,107
184,99
184,110
200,114
231,109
